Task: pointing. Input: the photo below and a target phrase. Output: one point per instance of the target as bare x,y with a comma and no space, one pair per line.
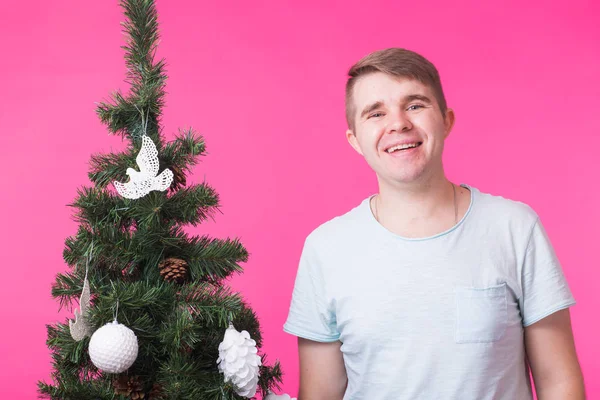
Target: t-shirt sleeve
311,314
544,287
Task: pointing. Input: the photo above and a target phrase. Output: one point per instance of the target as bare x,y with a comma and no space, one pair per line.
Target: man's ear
353,141
449,122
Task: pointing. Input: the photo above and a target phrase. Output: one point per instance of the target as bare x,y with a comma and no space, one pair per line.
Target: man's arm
551,353
322,370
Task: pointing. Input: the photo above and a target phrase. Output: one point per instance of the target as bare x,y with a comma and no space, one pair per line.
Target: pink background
263,82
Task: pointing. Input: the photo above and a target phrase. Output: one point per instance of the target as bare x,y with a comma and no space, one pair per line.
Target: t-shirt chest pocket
481,314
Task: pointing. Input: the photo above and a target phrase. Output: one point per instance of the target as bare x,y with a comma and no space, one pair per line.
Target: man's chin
402,179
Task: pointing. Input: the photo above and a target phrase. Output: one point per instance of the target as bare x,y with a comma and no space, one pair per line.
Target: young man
427,290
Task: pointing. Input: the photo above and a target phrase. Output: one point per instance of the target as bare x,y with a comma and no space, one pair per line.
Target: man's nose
399,122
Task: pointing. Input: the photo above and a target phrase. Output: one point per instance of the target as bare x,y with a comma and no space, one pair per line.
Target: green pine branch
147,79
78,390
141,27
270,377
215,259
211,305
185,150
191,205
247,320
107,168
112,249
116,250
66,349
95,206
130,117
184,379
66,288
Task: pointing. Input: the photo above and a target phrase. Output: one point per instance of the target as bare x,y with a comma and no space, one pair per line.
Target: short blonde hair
395,62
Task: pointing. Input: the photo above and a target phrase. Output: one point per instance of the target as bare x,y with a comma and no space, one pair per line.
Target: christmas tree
131,260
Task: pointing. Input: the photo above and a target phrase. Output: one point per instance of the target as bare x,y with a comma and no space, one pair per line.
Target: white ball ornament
113,348
239,362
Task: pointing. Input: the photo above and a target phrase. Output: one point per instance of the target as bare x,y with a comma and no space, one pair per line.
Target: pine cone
179,179
173,269
129,386
156,392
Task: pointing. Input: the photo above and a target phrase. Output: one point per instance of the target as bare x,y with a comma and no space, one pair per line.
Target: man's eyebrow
411,97
370,108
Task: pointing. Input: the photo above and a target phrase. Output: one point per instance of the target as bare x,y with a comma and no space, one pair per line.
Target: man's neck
419,209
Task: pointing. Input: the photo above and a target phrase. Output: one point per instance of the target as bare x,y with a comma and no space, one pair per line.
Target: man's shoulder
340,226
498,206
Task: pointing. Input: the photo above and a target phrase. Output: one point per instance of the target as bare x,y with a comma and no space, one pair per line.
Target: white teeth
402,147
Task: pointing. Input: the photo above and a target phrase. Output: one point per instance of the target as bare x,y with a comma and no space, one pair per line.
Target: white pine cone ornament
239,362
113,348
273,396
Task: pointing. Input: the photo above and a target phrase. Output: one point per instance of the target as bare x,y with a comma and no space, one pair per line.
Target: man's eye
415,106
375,115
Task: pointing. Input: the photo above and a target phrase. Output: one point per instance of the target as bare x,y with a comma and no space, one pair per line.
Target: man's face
391,112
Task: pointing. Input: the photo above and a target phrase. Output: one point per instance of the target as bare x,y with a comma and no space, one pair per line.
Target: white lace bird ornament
146,180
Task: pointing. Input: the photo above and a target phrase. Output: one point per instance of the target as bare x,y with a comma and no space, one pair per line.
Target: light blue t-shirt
435,318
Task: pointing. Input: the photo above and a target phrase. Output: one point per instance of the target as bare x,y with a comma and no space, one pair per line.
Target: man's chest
447,296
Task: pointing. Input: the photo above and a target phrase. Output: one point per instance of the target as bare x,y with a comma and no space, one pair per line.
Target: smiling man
427,289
